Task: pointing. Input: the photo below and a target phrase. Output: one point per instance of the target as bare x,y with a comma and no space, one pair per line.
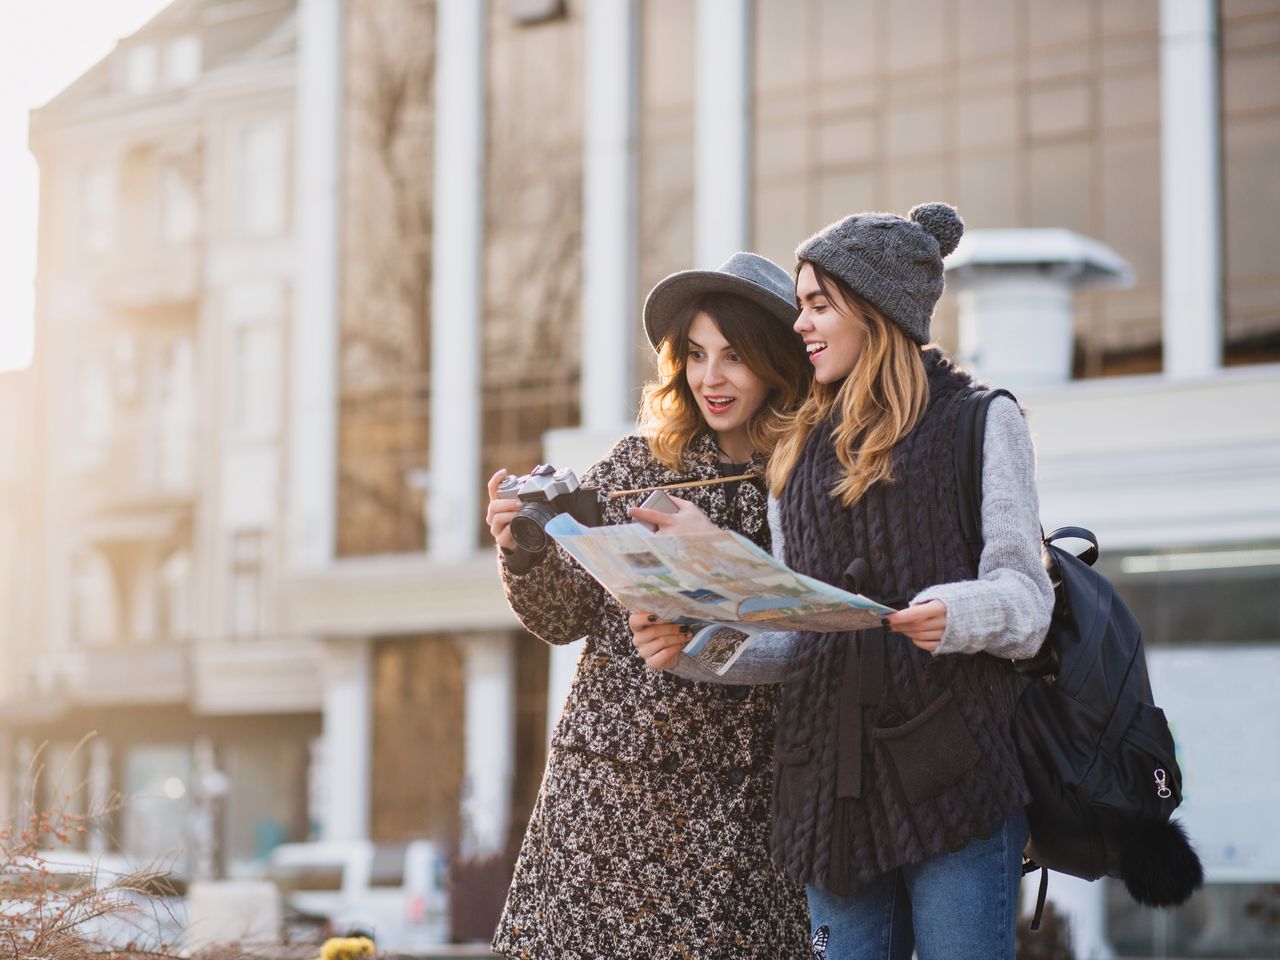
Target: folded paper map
720,581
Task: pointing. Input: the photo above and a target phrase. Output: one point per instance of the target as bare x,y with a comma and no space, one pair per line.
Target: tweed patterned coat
649,835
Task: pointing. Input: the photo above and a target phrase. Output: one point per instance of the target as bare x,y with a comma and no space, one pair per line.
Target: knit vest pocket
793,788
931,751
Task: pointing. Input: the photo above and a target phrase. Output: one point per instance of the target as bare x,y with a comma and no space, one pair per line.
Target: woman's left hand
658,642
922,623
687,518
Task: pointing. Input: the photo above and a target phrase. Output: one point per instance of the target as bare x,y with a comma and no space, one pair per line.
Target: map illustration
718,579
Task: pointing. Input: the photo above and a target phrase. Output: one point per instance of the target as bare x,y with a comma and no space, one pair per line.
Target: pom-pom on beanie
894,263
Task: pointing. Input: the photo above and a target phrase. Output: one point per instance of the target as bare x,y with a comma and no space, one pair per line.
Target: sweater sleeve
1005,612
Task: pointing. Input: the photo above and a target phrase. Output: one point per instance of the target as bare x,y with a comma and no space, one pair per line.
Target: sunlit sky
44,46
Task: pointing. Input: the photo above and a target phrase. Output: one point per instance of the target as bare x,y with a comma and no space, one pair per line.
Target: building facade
155,534
476,198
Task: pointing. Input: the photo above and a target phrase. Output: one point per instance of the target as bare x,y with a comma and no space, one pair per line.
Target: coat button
737,776
669,764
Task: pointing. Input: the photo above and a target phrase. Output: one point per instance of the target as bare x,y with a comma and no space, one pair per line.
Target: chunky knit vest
887,755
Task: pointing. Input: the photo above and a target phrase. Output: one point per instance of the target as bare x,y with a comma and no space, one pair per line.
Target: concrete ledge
399,594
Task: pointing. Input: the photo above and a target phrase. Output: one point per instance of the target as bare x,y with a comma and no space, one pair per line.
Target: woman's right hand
501,513
659,643
688,518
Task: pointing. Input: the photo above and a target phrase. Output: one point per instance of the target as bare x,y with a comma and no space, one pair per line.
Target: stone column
1191,187
722,184
609,223
346,757
454,486
313,341
489,665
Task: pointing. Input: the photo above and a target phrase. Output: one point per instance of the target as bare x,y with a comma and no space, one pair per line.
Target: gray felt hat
748,275
895,263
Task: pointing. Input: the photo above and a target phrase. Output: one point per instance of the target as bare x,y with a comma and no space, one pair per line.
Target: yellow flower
347,948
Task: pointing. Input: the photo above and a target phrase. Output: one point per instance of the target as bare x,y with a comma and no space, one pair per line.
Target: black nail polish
653,618
884,622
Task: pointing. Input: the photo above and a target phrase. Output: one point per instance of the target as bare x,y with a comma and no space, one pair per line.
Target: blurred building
152,545
414,248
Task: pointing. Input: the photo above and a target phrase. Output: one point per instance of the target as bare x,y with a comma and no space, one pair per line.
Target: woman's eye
695,354
734,358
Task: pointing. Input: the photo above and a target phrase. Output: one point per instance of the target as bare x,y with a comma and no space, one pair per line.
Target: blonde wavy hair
878,403
670,418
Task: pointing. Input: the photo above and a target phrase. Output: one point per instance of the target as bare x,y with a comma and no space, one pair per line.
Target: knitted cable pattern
908,534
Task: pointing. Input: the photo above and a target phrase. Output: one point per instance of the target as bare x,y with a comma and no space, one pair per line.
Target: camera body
545,493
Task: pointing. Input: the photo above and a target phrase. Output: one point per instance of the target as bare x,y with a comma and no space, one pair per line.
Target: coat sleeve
558,601
1006,611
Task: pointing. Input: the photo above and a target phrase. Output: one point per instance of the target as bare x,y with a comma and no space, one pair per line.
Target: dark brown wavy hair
669,415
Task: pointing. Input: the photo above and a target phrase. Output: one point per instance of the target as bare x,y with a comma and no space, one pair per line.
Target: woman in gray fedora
649,835
898,796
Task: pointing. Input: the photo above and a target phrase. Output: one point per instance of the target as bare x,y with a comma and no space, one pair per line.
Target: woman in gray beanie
649,837
898,797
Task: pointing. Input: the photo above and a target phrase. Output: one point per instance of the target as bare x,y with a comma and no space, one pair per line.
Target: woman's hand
923,623
501,513
658,643
686,519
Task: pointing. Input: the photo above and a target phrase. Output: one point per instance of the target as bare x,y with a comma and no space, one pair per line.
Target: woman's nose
802,323
714,374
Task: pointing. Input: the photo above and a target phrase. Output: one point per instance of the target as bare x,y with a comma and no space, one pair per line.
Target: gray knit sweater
1005,612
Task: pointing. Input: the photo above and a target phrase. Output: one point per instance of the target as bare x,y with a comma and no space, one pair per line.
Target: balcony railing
154,276
141,465
152,673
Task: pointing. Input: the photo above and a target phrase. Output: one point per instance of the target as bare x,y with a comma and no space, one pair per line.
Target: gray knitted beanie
893,263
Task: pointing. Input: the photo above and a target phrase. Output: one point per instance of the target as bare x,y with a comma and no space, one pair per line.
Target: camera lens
527,527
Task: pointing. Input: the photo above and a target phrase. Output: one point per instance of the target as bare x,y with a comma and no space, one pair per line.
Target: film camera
547,492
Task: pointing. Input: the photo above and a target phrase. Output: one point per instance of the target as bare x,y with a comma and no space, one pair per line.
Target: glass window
256,390
175,413
182,61
93,410
244,614
1222,920
141,69
98,209
154,823
1026,113
179,208
175,596
94,616
1251,198
260,179
1198,595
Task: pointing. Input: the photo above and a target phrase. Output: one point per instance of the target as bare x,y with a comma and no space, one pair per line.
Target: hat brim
671,295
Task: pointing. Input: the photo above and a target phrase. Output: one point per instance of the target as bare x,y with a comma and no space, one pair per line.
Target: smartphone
658,500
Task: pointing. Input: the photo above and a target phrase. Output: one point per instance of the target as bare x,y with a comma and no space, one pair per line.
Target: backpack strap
971,433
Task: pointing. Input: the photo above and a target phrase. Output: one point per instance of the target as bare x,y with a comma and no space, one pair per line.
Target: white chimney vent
1014,292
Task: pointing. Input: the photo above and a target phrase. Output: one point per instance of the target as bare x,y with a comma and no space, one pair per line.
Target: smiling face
728,392
834,333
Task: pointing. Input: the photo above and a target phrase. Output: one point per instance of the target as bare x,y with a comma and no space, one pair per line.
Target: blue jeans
957,906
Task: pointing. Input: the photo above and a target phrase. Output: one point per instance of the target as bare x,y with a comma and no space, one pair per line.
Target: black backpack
1096,752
